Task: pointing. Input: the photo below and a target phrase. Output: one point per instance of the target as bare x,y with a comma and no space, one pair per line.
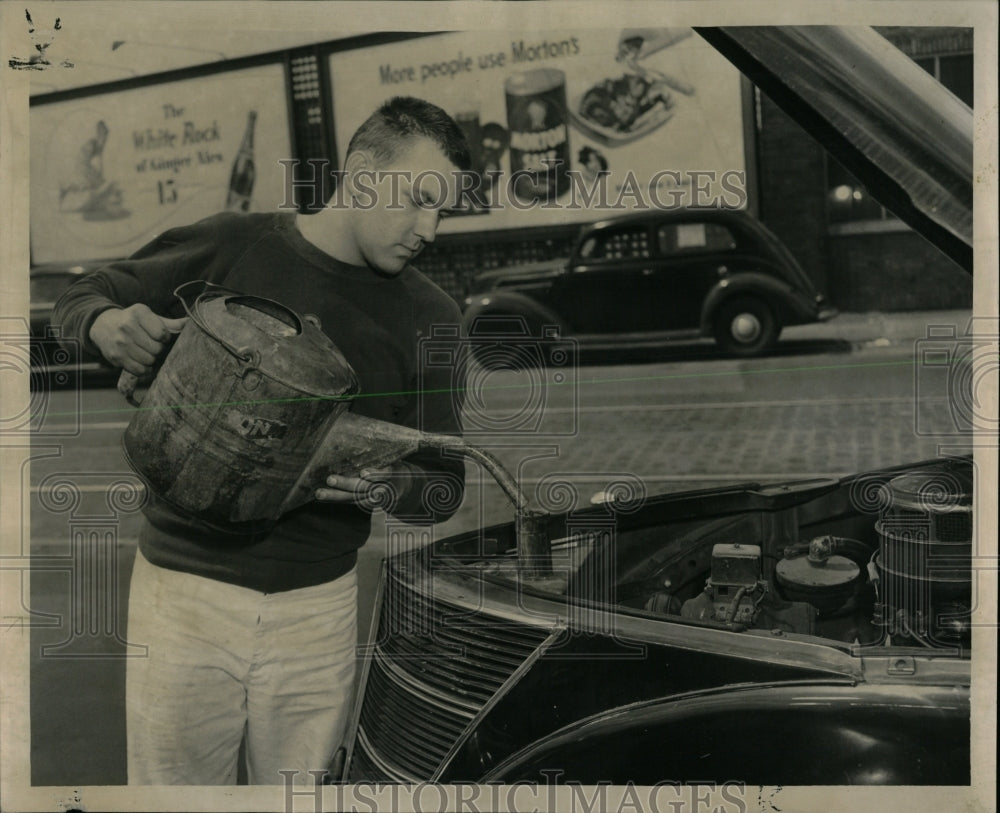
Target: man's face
408,198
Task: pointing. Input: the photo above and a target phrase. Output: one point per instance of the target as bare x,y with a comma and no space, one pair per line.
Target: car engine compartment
879,559
900,577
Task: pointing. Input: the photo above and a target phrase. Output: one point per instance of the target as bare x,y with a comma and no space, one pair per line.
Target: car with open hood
815,632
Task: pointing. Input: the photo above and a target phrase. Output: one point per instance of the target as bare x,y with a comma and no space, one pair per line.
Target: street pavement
690,417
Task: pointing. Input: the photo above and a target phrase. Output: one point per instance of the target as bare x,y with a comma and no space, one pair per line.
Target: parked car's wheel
745,326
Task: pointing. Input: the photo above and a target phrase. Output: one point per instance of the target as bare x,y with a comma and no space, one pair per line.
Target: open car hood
896,128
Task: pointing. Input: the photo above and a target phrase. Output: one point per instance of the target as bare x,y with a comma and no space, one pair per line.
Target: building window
848,201
954,71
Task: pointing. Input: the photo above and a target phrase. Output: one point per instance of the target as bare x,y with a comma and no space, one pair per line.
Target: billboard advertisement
566,126
111,170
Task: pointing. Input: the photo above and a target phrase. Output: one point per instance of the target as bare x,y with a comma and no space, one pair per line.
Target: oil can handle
127,382
206,287
192,311
242,354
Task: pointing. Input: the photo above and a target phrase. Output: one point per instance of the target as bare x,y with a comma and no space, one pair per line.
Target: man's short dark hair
386,132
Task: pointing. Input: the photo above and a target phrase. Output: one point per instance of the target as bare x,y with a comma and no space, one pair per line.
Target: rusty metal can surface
537,118
236,411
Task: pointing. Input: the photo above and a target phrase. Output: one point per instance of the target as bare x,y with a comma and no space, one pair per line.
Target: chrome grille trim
390,771
434,696
435,666
515,678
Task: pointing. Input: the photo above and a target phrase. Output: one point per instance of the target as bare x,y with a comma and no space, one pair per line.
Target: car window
676,238
617,244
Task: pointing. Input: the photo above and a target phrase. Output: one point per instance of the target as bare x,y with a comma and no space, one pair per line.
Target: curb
876,329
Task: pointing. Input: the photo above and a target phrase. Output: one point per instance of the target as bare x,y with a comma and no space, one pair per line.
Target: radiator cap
826,586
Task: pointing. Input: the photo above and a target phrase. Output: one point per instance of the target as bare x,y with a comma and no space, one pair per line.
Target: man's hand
133,337
372,489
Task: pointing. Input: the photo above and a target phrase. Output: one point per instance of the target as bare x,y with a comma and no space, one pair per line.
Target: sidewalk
880,328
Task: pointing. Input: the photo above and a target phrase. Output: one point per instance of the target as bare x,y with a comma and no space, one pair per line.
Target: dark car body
660,274
47,285
478,673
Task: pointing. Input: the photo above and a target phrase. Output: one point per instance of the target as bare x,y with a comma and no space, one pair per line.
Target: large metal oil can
250,413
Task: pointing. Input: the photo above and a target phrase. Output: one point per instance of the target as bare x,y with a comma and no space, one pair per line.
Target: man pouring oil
256,631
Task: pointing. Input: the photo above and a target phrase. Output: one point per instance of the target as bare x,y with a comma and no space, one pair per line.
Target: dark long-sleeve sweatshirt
377,322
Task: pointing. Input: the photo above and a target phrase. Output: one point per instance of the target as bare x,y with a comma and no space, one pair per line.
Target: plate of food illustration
619,111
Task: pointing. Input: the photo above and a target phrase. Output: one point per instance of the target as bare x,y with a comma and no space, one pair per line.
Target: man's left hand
372,489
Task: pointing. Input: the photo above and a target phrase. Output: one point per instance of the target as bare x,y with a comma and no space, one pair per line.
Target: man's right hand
133,337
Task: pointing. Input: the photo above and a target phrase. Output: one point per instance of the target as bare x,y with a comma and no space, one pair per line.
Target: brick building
857,251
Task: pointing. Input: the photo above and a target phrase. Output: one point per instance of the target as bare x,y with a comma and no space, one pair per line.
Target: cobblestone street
749,440
675,447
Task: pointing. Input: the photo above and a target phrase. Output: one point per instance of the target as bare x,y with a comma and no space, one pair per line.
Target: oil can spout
352,442
500,474
534,553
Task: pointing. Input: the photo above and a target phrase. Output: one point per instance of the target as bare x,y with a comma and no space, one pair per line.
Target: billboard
568,125
111,170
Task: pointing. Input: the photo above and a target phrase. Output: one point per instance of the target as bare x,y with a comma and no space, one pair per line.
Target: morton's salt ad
566,126
111,170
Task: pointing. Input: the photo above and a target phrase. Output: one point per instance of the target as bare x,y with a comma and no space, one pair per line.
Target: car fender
763,735
510,303
786,302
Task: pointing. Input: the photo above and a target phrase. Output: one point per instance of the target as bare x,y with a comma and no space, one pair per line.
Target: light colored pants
223,659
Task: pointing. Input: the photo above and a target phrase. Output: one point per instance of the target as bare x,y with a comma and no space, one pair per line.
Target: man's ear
357,161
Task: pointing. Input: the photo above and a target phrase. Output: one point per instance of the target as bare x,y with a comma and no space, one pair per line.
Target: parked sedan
657,275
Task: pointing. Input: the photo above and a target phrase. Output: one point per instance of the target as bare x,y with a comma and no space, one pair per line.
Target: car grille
433,668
